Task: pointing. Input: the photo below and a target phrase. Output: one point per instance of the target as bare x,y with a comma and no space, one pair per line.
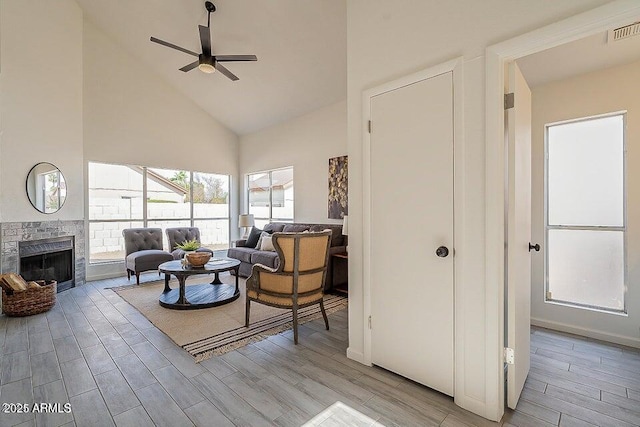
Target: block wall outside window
126,196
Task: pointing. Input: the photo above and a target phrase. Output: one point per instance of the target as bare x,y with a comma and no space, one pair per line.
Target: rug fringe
261,336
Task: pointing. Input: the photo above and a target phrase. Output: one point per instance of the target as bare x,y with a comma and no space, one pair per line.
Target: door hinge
509,100
369,322
369,126
509,356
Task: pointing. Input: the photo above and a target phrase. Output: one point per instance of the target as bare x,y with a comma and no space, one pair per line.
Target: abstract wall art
338,190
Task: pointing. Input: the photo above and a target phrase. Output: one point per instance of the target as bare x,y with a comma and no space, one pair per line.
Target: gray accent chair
143,247
178,235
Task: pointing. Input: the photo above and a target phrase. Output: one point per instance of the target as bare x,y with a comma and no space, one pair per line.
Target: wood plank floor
96,352
575,381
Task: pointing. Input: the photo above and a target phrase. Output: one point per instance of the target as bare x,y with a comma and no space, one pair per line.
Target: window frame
270,172
145,220
622,228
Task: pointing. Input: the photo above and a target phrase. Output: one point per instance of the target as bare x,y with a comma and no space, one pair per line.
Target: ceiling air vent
624,32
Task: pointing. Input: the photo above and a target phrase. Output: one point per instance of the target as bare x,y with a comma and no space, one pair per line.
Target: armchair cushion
145,260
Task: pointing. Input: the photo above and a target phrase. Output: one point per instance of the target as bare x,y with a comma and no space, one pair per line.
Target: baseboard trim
586,332
356,355
103,276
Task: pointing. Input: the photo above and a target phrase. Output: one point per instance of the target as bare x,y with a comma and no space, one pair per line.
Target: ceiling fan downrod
210,8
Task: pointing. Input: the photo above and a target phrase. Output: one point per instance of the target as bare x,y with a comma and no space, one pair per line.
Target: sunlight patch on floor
341,414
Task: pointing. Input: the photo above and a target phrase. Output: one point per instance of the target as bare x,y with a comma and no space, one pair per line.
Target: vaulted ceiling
300,45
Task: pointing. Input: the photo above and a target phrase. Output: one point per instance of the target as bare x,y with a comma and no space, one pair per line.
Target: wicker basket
30,301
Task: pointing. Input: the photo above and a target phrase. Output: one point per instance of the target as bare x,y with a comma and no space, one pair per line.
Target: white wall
306,143
131,116
605,91
417,35
40,103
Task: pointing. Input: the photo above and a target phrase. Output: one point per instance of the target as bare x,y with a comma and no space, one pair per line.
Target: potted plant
189,245
191,257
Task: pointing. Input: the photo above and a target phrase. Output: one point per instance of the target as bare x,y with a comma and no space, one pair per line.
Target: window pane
282,193
587,267
168,193
106,243
214,234
210,195
259,185
115,191
54,190
585,172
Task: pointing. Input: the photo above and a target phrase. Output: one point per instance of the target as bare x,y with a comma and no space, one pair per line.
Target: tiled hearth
11,233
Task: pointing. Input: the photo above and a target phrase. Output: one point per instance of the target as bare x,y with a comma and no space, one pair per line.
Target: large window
585,213
122,196
271,196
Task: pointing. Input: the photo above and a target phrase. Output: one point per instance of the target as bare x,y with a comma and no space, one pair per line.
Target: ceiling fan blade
231,58
205,40
226,72
173,46
190,67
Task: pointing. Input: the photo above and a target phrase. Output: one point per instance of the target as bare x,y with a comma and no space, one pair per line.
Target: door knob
442,251
535,247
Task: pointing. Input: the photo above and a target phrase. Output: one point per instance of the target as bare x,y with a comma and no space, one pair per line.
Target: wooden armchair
298,280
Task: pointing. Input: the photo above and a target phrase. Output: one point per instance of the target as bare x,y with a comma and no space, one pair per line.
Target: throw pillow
267,244
262,236
252,240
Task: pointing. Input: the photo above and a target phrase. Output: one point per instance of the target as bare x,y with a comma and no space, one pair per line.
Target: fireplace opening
48,259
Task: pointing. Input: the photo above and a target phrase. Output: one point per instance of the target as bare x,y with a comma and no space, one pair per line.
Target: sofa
249,256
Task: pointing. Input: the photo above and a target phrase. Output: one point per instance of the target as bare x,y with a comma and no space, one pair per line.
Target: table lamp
245,221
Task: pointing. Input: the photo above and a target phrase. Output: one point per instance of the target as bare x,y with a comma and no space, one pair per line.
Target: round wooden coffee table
198,296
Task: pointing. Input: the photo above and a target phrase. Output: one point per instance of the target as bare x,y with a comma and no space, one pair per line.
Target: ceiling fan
208,63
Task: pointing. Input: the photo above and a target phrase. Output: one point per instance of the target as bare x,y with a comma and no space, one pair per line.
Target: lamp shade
245,220
345,226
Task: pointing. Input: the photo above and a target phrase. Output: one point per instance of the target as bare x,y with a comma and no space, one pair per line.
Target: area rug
217,330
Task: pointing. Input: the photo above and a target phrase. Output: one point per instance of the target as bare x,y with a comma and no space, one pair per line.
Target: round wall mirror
46,188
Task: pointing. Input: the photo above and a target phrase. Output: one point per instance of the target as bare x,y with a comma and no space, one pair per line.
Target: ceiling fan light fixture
206,68
206,64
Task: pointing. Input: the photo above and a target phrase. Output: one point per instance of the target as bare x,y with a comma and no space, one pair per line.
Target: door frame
454,66
611,15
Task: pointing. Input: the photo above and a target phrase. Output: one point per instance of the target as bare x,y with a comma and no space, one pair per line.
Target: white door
411,168
518,233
